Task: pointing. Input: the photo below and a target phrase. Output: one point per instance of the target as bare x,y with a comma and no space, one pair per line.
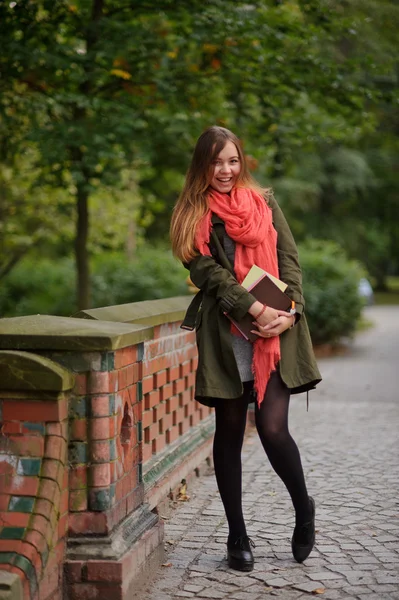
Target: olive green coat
217,373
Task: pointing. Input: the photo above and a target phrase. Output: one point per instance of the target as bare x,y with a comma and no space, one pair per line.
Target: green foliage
330,283
153,273
43,286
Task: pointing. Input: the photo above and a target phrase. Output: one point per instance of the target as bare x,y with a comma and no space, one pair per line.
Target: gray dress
242,348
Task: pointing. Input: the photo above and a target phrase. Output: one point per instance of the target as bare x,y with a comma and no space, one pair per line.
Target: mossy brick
29,466
12,533
100,499
22,504
78,500
77,452
107,361
79,407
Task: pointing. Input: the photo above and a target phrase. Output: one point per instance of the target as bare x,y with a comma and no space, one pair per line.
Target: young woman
222,224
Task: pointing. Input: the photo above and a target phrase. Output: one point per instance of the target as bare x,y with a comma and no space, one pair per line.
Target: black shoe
239,554
304,537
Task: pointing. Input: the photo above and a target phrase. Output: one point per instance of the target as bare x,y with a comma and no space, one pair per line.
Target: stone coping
46,332
24,371
148,312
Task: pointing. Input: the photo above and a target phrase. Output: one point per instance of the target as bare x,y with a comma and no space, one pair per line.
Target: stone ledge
46,332
22,371
148,312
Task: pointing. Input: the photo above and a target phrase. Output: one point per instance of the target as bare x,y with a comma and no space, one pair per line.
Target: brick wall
99,459
33,482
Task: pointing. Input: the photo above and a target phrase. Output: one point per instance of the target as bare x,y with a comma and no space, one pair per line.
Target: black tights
272,424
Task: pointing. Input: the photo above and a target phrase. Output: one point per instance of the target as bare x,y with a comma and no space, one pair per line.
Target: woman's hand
268,315
283,321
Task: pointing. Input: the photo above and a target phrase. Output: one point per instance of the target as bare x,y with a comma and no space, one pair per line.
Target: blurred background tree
101,102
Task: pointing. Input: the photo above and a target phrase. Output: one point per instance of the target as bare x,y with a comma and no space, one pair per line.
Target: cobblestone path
349,442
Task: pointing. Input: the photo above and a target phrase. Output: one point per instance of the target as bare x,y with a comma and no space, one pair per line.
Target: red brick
59,429
122,378
173,373
158,444
100,428
102,382
22,485
159,412
184,426
185,397
178,386
56,448
151,399
27,445
94,591
147,452
166,391
185,368
178,416
11,427
160,378
80,387
104,570
100,406
148,384
35,411
100,475
191,380
4,500
43,506
100,451
172,434
39,523
125,356
36,539
14,519
64,501
167,421
48,489
148,418
137,372
73,570
172,404
88,523
51,468
150,432
63,526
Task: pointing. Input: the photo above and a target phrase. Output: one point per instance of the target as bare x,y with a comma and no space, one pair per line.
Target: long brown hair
192,204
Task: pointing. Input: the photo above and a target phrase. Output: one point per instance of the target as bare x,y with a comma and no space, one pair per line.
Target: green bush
330,285
44,286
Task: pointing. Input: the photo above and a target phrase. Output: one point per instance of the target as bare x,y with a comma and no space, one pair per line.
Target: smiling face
226,169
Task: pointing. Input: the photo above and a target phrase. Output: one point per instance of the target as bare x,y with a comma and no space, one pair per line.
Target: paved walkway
349,441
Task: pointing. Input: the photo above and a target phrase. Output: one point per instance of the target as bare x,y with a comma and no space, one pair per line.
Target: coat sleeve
287,253
214,280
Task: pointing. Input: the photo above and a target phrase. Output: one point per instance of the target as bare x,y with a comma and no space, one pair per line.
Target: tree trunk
81,252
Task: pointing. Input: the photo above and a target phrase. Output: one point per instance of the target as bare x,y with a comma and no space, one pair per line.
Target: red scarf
248,221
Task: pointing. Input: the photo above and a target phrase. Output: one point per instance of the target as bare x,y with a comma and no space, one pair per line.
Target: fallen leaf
318,591
167,564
